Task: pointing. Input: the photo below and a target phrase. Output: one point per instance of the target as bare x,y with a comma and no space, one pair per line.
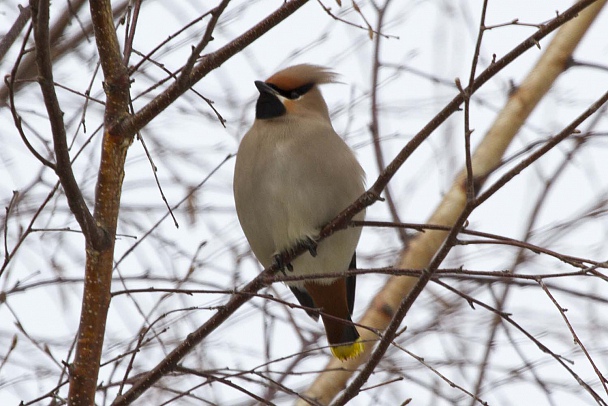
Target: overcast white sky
435,37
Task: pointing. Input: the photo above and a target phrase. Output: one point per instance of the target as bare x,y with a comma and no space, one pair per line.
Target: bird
293,174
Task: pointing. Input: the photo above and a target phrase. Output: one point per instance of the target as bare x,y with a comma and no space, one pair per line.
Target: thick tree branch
116,76
100,261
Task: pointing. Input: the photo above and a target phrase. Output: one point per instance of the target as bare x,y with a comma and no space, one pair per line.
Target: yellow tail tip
347,351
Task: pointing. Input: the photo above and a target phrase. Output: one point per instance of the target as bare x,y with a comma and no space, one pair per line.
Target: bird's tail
342,335
343,338
348,351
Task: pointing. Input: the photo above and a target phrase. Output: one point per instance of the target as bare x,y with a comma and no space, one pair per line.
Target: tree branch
100,261
375,123
407,302
487,156
94,235
13,33
207,37
28,70
209,62
116,77
9,80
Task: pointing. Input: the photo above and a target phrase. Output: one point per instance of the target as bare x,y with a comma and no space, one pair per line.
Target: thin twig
8,210
214,378
577,340
130,32
207,37
13,33
375,124
148,56
10,85
140,138
29,228
560,359
440,375
367,28
175,76
178,204
467,102
134,123
565,133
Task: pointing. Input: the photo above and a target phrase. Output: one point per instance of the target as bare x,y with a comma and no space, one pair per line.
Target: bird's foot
307,243
278,261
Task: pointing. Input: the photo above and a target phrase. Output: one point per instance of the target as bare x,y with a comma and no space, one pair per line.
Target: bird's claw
281,265
310,244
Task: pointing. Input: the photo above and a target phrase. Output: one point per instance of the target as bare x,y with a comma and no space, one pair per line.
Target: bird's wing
306,301
351,284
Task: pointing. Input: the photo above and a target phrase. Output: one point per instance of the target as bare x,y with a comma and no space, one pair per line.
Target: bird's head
293,92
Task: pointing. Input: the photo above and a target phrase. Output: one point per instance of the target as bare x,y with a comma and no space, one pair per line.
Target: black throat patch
269,106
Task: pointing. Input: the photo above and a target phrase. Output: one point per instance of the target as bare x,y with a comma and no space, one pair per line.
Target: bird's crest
300,75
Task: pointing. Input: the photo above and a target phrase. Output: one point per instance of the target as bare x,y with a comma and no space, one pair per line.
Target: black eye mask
293,93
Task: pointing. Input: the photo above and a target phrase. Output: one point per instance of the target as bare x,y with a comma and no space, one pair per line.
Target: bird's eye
300,91
275,87
292,94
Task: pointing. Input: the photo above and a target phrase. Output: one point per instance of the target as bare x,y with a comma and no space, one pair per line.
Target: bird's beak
264,88
270,104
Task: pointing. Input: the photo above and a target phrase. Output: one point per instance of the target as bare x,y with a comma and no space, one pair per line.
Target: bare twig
441,376
155,174
130,32
470,182
370,31
560,359
148,56
375,124
13,33
207,37
178,204
94,235
215,378
569,130
28,229
10,85
28,69
8,209
209,62
577,340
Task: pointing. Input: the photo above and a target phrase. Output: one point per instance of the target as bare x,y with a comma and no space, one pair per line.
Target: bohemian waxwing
293,175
